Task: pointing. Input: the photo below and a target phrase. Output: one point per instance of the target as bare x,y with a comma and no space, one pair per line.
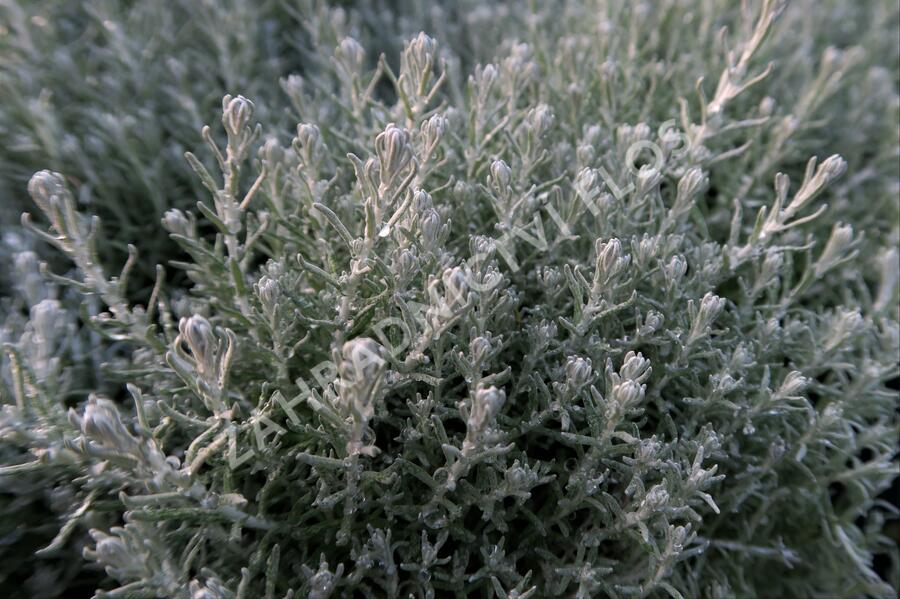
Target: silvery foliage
584,319
112,92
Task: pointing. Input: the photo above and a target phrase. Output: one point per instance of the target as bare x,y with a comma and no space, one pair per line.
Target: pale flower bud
112,552
394,152
198,334
485,406
481,82
656,497
271,151
644,249
792,385
430,226
237,113
516,476
519,65
771,268
417,61
833,167
500,174
609,261
177,223
362,359
433,130
578,371
27,275
679,536
308,144
466,192
200,592
586,153
407,262
481,246
836,249
586,184
350,55
322,583
724,383
101,422
480,348
674,271
844,324
545,332
540,119
267,288
489,74
293,86
691,183
628,393
47,189
47,320
652,323
422,201
815,180
455,286
648,178
635,367
607,254
710,307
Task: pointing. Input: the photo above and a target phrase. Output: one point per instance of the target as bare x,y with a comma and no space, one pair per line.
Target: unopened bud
792,385
422,201
267,289
836,249
481,246
691,183
480,348
177,223
102,423
417,61
710,307
609,261
635,367
656,497
198,334
47,189
455,286
394,152
578,371
485,407
540,119
674,271
271,151
350,55
833,167
362,359
500,174
648,178
628,393
433,130
407,262
237,113
112,552
430,226
308,135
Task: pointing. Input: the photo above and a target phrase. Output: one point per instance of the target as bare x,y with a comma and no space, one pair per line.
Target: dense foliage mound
609,309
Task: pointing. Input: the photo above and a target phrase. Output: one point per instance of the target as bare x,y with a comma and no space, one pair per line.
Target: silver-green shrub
610,310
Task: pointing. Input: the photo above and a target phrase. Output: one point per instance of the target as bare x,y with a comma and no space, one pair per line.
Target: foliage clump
610,310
